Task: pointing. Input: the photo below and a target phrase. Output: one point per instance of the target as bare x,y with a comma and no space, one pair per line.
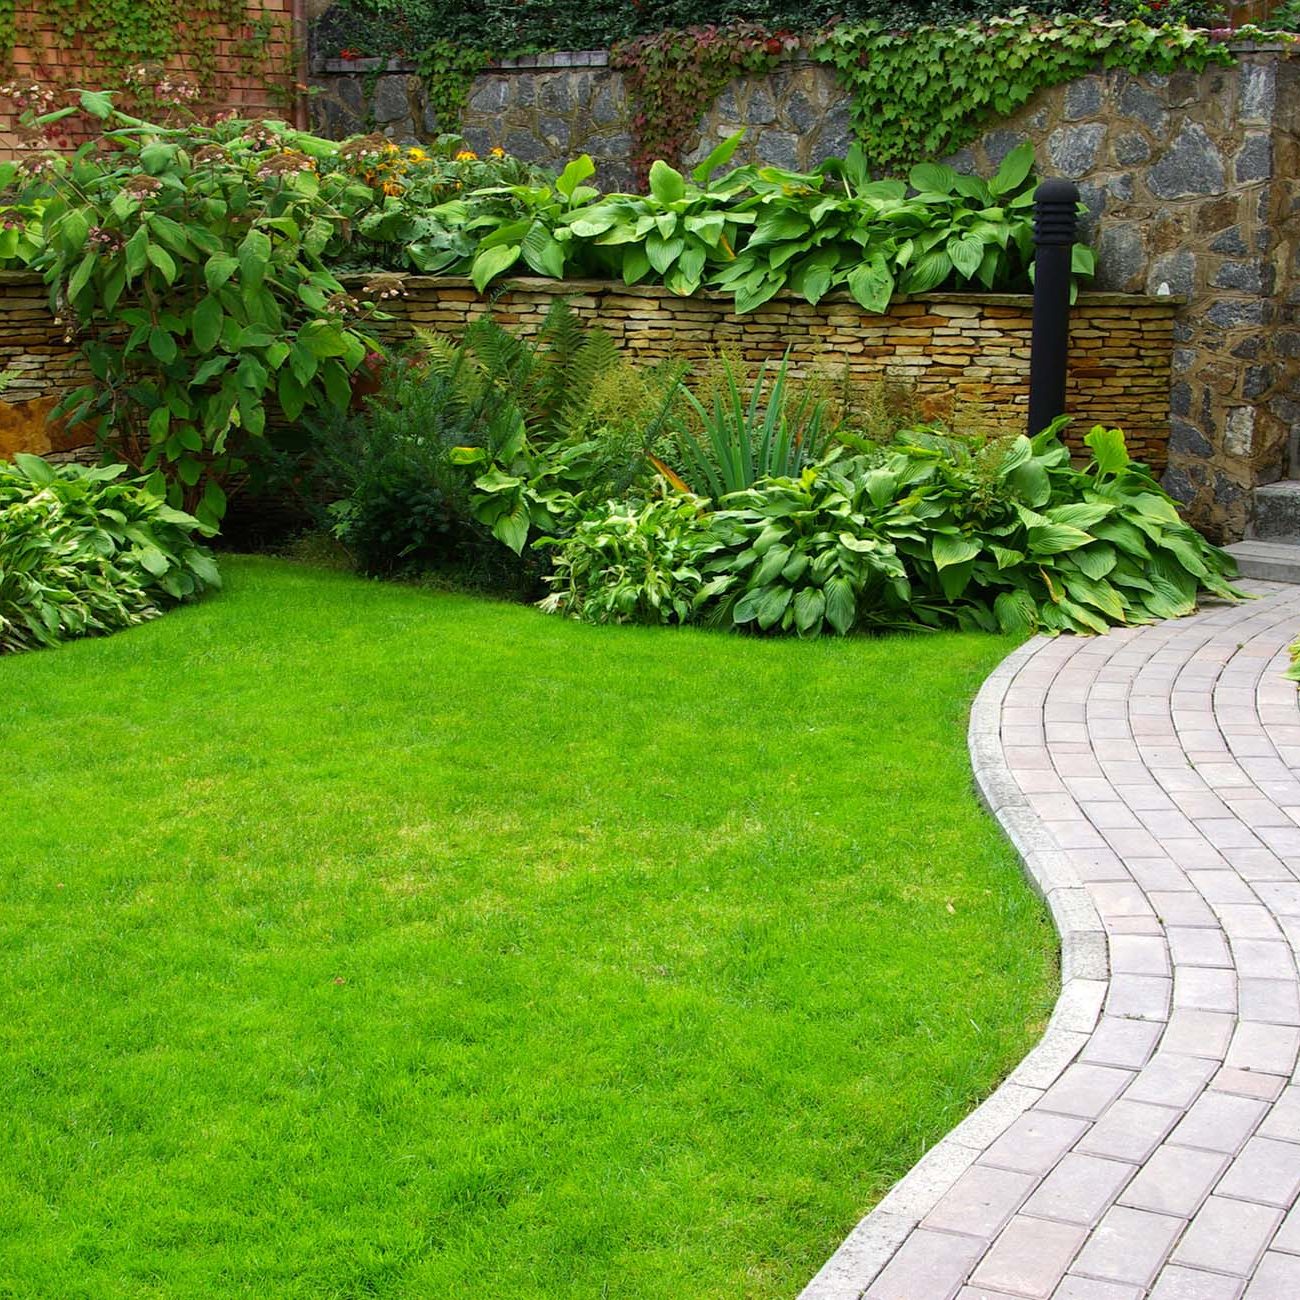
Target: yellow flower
417,155
497,152
392,187
467,155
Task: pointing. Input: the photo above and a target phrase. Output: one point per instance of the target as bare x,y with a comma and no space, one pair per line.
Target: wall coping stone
540,284
559,59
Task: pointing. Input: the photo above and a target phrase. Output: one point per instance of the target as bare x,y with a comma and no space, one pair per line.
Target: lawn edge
1085,977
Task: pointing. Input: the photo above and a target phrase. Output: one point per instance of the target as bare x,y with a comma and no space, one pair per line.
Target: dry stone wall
1190,182
965,356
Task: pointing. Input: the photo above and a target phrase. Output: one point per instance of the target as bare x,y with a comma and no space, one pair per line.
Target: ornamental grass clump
88,551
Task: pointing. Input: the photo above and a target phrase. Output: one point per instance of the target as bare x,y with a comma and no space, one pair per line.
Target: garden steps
1149,1146
1268,561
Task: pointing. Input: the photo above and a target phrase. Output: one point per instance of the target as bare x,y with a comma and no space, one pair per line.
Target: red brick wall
238,84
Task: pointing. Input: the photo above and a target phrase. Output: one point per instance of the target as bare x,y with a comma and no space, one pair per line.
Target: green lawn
362,941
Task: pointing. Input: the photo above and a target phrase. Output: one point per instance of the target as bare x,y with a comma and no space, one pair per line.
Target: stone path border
1149,1145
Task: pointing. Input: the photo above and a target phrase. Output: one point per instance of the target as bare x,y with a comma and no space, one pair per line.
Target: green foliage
191,259
932,531
803,555
927,92
492,439
448,69
674,76
85,551
771,435
1013,536
751,232
633,563
1285,18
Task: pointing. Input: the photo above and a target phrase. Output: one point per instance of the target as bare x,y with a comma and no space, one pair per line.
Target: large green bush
87,551
930,530
190,260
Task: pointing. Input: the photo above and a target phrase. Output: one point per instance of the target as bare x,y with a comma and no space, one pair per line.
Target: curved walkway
1149,1146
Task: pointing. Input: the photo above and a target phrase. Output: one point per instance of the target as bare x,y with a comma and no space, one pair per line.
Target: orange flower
497,151
392,188
467,155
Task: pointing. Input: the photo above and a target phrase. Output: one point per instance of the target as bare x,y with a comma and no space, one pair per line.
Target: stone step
1277,512
1270,561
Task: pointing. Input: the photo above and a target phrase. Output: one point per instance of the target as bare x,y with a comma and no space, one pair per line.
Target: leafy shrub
490,440
799,555
928,531
85,551
1012,535
633,563
192,259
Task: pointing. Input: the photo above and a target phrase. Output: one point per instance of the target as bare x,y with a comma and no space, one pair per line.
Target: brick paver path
1149,1146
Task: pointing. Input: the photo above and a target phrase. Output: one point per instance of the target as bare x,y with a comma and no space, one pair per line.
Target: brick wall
41,56
966,355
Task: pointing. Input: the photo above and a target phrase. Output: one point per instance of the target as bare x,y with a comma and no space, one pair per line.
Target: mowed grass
362,941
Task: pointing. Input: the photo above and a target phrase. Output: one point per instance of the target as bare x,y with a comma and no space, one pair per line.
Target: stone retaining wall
1191,181
966,356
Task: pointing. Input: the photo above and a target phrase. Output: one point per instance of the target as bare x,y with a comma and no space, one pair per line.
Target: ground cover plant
87,551
360,940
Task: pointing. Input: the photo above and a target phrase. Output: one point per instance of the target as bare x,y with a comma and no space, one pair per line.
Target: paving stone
1035,1142
1283,1119
1125,1043
1175,1283
1030,1257
1288,1235
1199,1033
981,1201
1272,1049
1204,988
1080,1189
1266,1170
1189,946
1175,1180
1275,1002
1170,1080
1087,1288
1139,954
1086,1090
1129,1130
1218,1121
1128,1246
1245,1083
1227,1236
931,1264
1277,1278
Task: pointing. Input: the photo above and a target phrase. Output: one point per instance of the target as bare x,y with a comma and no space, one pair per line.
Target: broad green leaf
574,174
719,157
218,269
666,183
946,550
1108,449
841,605
491,262
205,325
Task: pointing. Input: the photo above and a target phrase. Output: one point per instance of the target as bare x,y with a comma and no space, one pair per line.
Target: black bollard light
1056,223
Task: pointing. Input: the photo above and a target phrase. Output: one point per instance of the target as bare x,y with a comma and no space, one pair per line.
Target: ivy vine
448,71
137,46
926,93
673,78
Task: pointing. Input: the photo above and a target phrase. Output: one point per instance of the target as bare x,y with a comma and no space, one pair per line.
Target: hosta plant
89,551
1013,535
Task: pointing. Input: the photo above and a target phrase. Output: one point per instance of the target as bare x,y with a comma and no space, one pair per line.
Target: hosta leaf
841,607
809,605
773,605
947,550
1052,539
1016,612
1095,561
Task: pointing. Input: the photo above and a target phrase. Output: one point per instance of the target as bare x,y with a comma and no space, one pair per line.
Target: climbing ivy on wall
674,76
159,52
926,93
